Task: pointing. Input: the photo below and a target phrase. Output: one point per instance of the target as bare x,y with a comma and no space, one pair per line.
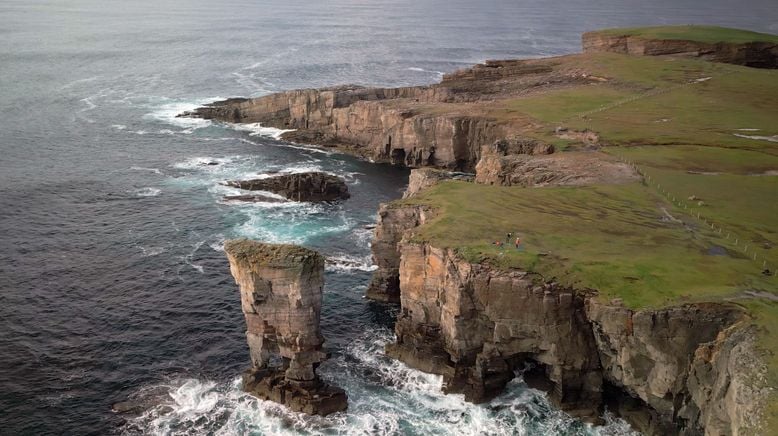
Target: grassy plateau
704,136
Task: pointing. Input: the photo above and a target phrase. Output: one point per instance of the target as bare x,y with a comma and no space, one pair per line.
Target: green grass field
685,123
616,239
707,34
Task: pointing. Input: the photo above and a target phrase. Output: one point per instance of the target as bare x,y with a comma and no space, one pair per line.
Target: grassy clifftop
705,34
701,225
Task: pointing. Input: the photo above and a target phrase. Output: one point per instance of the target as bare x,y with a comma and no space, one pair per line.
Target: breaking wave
386,397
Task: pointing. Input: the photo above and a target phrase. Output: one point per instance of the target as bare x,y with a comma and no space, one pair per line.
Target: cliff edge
711,43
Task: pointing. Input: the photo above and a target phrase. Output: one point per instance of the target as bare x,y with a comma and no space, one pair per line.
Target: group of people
508,237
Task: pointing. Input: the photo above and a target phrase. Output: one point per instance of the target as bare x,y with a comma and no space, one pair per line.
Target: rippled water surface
113,283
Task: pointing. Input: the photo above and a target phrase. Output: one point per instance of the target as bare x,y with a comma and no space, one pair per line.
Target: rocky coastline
691,368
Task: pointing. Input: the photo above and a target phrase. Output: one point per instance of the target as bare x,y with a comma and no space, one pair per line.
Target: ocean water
113,282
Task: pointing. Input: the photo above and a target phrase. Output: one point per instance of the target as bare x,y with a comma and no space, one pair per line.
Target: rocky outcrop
727,384
368,123
752,54
687,370
395,221
423,178
476,326
498,167
679,362
281,292
313,186
441,125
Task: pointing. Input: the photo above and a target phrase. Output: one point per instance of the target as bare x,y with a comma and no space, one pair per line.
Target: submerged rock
311,186
281,292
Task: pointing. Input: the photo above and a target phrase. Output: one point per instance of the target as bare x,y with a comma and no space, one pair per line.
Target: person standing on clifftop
508,237
518,242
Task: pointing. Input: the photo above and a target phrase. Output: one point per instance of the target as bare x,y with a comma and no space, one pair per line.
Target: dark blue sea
114,287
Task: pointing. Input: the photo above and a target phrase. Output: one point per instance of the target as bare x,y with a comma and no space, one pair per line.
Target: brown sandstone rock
280,287
752,54
411,126
558,169
312,186
686,370
394,222
475,326
423,178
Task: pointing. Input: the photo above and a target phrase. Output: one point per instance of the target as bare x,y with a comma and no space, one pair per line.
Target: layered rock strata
311,186
281,292
442,125
394,223
692,369
752,54
476,326
502,167
423,178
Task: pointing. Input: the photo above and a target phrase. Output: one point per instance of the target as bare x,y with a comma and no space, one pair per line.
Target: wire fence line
742,244
733,238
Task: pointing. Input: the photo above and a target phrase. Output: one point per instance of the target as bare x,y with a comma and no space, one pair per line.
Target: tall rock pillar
281,293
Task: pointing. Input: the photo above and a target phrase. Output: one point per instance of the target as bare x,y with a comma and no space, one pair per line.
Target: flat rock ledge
308,187
281,293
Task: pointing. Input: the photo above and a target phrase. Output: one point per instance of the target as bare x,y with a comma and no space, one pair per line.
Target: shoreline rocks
309,187
281,292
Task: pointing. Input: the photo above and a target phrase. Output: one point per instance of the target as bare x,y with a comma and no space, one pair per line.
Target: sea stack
281,294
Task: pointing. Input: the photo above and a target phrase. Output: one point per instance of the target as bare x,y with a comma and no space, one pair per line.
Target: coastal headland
604,222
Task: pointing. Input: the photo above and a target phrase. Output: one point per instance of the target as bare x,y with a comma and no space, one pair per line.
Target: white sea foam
153,170
204,162
78,82
119,126
385,398
437,74
188,258
151,251
218,245
256,129
347,263
147,192
166,113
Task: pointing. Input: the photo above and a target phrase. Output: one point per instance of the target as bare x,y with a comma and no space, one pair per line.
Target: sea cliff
602,233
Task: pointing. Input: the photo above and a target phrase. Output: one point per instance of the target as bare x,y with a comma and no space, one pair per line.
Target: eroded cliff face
535,166
442,125
423,178
752,54
394,223
689,370
280,290
376,123
476,326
